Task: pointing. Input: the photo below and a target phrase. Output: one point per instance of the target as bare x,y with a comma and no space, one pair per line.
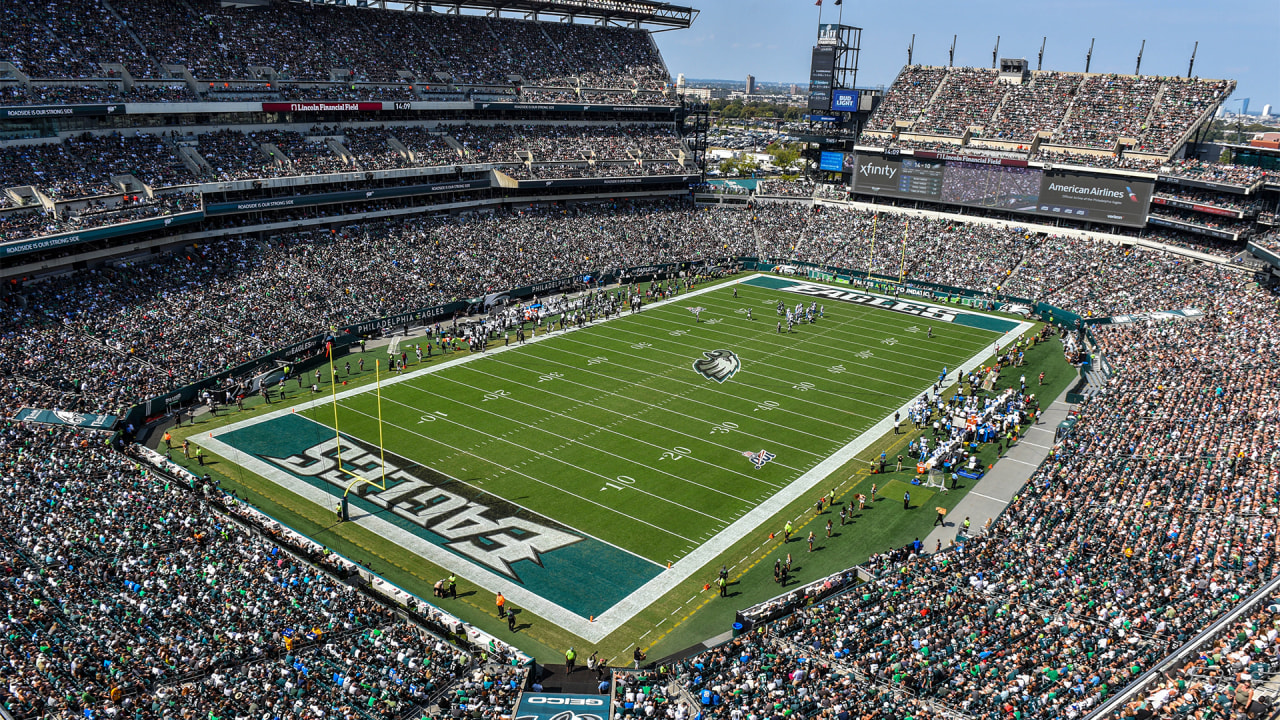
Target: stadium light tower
1040,58
951,56
911,48
1088,58
995,52
1193,59
1137,69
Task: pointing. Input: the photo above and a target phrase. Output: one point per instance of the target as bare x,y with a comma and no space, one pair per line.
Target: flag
819,3
838,2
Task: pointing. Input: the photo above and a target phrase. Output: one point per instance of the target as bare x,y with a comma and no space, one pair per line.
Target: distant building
680,82
1266,110
751,84
702,94
795,89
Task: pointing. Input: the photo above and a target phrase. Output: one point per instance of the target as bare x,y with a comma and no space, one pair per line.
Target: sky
772,39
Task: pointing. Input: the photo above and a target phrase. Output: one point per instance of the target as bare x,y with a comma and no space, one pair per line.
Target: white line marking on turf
627,417
702,387
627,608
570,440
622,415
541,482
1024,462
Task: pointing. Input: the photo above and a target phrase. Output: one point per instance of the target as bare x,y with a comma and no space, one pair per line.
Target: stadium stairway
556,679
1096,377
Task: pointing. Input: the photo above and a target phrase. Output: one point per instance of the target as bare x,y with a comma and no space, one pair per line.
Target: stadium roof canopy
636,13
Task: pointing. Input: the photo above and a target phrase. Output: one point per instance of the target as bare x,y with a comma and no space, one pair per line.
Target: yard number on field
496,395
623,481
431,417
676,453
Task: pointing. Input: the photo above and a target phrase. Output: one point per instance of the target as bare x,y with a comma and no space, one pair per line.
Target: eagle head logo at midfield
718,365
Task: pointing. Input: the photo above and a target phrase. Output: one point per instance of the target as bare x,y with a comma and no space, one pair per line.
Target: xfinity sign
873,170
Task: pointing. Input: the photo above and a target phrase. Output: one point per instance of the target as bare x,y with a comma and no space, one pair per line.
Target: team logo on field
718,365
1016,309
758,459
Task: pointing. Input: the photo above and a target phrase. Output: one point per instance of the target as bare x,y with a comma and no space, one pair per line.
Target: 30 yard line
592,387
576,441
702,388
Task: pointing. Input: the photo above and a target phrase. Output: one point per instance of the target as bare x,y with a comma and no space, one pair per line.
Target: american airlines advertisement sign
1011,187
1111,199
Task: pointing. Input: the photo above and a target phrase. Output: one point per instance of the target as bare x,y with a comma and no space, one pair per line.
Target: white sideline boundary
605,624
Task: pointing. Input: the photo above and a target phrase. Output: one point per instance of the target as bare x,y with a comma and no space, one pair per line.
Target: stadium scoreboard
1002,184
822,73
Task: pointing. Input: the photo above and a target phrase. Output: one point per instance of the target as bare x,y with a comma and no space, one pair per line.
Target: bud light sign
844,100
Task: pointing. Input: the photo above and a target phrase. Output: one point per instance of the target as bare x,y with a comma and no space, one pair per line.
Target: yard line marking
699,349
708,388
833,330
692,386
757,388
540,482
571,440
627,417
630,399
872,319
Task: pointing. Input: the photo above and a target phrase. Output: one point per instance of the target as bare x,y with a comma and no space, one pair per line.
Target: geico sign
592,702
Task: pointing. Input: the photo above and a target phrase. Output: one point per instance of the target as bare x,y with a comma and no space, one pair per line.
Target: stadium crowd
1154,517
907,97
127,594
1079,111
305,43
1145,525
967,97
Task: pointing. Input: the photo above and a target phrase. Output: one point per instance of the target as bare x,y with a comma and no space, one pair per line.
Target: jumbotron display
1003,184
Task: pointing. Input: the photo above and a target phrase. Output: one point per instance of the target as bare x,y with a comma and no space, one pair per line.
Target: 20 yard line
620,413
703,388
500,378
575,441
517,472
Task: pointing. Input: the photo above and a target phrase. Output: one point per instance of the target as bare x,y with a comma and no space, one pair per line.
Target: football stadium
388,361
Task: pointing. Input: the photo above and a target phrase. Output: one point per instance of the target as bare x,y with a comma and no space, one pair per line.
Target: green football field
583,467
611,431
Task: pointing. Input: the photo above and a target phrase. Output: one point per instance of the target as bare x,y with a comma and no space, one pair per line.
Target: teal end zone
945,313
585,576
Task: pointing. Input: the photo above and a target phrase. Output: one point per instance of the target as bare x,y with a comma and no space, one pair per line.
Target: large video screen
1008,185
831,161
1097,198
